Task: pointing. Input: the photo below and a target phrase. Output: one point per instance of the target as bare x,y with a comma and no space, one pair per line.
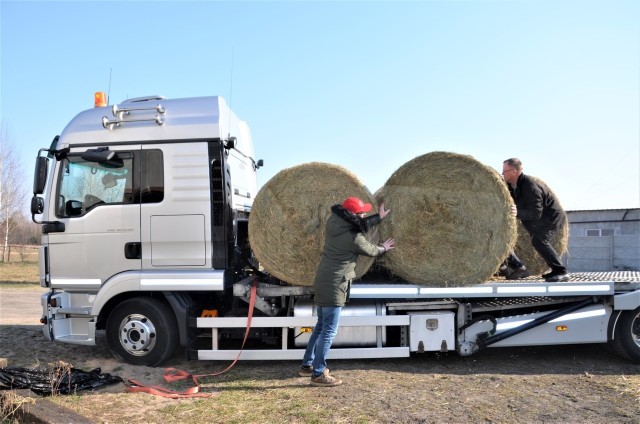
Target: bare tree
11,191
26,232
25,235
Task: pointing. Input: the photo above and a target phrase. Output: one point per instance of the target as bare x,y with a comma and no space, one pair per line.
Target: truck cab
149,196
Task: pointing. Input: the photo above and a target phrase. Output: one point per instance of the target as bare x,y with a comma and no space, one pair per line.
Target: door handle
133,250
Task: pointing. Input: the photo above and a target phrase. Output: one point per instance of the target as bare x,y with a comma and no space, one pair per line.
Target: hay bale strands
527,253
288,217
450,216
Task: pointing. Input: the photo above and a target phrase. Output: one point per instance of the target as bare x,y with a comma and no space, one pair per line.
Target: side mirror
260,163
73,208
98,155
37,205
231,143
104,157
40,175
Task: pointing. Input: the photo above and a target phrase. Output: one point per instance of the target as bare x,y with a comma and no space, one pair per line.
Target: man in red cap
344,242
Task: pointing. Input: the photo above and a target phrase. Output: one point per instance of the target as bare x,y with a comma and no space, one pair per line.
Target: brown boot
306,371
325,380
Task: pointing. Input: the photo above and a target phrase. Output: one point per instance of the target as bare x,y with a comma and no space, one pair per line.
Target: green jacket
343,242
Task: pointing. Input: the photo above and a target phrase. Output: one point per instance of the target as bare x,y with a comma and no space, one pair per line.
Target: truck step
76,339
74,311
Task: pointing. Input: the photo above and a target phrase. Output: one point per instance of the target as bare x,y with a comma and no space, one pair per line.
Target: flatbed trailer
396,320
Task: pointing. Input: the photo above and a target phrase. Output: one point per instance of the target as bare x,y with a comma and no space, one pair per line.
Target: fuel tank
347,336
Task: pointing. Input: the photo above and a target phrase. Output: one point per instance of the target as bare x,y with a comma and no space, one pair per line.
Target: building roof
603,210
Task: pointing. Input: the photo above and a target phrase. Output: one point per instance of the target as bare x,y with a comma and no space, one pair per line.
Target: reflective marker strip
580,288
457,290
74,282
527,289
510,325
378,290
579,315
182,283
568,317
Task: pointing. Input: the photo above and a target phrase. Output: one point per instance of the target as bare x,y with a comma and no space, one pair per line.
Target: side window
152,177
600,232
85,185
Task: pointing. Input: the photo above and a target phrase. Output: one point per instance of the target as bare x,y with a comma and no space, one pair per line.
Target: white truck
144,209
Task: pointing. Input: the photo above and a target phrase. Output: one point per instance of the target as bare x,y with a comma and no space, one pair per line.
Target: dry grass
628,385
19,273
421,389
22,267
11,406
22,253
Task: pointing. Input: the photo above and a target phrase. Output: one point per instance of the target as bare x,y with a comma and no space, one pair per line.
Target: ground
568,384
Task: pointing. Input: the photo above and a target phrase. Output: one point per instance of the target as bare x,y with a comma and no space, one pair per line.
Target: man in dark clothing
344,242
540,213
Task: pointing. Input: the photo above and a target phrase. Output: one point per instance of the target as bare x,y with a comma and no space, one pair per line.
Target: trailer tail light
100,99
306,329
561,328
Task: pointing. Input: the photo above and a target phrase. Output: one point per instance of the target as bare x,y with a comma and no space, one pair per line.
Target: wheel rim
137,334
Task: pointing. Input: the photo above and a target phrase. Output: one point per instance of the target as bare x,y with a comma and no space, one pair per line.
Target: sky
364,85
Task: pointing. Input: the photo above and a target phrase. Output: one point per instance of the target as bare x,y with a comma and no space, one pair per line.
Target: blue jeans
321,338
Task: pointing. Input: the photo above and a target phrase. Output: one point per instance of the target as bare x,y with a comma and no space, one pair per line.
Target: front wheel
142,331
627,335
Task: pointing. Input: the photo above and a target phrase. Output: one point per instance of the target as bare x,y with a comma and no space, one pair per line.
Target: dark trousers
541,241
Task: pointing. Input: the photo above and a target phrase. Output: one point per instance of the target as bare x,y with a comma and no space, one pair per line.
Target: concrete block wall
614,253
618,252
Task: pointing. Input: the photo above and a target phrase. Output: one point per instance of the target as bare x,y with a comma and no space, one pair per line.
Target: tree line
16,228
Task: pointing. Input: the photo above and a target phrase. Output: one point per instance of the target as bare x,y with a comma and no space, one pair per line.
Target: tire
615,345
142,331
627,335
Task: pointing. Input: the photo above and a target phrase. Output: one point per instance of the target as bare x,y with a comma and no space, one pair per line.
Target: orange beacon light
100,99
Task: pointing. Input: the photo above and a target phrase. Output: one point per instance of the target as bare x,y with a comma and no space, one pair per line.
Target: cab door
97,199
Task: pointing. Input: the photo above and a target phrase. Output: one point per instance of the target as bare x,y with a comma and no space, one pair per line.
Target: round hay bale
450,217
288,217
525,251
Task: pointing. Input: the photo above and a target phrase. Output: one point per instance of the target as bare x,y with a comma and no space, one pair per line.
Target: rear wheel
626,340
142,331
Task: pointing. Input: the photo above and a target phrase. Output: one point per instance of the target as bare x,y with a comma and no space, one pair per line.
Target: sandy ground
568,384
20,306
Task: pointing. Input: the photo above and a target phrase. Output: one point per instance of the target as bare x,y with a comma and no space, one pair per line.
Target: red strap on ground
173,374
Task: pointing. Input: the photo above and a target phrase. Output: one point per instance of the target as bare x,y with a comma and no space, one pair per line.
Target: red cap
355,205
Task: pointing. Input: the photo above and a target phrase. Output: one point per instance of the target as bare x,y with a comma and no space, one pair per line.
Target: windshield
85,185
